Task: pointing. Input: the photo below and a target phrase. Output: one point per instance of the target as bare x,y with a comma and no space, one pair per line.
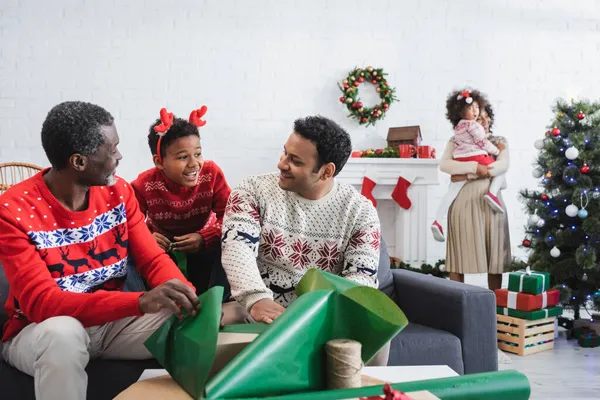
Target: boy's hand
162,241
190,243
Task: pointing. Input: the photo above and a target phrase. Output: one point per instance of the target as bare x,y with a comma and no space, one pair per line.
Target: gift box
530,315
589,339
528,281
526,302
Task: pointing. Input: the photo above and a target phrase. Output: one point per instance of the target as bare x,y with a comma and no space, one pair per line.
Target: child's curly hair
180,128
455,106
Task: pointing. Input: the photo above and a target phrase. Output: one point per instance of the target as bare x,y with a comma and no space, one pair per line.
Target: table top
393,374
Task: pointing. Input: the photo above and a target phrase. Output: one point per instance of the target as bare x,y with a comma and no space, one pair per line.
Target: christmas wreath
349,88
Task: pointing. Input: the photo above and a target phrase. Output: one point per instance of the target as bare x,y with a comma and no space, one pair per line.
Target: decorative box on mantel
405,231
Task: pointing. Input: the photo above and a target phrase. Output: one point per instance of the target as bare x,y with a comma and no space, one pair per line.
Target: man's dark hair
180,128
332,141
73,127
455,106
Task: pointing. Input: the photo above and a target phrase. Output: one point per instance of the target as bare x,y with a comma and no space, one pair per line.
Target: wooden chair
15,172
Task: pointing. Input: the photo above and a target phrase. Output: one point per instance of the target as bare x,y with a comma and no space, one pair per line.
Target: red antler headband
166,120
466,95
196,115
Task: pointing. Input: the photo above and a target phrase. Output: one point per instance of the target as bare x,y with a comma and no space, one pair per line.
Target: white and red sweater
271,237
175,210
471,140
61,262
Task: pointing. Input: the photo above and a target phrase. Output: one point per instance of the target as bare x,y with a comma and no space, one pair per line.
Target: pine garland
349,87
436,270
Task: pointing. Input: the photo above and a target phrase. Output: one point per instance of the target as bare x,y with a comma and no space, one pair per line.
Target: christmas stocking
400,194
367,188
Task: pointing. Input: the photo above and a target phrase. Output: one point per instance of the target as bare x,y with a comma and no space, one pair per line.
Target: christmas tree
563,229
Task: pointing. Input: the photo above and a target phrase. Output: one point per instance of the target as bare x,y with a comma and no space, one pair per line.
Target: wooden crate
517,331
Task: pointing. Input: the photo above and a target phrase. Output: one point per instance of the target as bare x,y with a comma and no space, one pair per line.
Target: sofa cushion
384,274
421,345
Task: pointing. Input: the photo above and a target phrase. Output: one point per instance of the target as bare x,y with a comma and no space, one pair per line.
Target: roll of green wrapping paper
500,385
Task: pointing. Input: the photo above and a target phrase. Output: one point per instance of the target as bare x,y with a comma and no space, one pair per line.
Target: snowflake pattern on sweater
271,237
471,140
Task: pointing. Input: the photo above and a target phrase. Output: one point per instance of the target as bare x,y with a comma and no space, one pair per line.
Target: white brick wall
258,65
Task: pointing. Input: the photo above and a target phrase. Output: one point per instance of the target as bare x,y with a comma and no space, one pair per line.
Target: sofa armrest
466,311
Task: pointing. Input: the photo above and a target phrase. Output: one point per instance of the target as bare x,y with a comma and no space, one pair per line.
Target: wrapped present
528,281
593,324
589,339
526,302
530,315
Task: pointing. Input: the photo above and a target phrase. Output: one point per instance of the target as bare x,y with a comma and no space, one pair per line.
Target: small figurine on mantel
404,135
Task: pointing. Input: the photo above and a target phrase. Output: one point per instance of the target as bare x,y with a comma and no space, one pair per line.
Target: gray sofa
450,324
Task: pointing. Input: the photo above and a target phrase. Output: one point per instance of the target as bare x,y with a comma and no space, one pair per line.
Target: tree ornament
580,116
544,197
366,115
572,153
555,131
571,210
533,220
555,252
537,173
596,195
584,277
560,114
538,144
582,213
526,243
541,223
584,169
548,174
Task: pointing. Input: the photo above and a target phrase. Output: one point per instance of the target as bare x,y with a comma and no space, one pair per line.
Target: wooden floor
566,372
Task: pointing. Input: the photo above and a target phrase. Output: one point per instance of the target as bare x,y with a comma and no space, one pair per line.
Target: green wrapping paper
527,281
180,259
500,385
530,315
287,356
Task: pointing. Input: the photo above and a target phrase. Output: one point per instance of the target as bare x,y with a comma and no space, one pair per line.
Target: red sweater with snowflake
175,210
60,262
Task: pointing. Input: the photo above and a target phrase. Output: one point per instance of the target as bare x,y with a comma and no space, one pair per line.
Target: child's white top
471,140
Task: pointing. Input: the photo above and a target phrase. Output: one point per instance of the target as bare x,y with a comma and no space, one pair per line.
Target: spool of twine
344,364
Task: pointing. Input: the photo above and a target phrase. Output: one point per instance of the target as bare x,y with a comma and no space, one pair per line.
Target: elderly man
65,238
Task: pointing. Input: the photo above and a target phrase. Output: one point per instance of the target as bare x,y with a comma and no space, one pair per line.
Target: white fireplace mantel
404,231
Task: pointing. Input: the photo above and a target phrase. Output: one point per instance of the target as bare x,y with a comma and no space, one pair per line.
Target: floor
566,372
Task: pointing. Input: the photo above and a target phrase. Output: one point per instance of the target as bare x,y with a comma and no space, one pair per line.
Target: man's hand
190,243
162,241
482,171
266,310
173,295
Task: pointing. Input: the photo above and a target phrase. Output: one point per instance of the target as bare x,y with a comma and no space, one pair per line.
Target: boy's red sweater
175,210
64,263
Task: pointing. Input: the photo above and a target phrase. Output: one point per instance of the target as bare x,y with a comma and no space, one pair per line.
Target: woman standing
478,239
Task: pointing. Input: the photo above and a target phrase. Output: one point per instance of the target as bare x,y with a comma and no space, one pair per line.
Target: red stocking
400,194
367,188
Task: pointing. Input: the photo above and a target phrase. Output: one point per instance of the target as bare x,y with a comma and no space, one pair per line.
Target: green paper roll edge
499,385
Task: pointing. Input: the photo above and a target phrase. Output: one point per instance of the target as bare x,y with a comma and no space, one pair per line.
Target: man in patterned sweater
65,238
279,225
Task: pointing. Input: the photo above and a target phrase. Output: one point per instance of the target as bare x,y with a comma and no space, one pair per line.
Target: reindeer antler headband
166,121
